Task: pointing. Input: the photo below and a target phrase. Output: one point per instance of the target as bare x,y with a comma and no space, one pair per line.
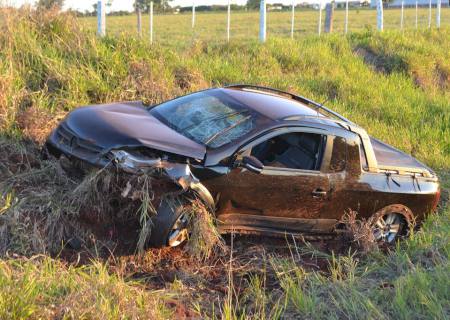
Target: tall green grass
48,64
407,282
410,282
394,84
44,288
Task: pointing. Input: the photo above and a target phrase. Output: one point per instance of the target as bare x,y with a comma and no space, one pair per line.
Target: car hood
128,124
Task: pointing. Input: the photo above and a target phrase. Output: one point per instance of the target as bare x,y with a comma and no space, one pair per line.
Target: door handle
319,193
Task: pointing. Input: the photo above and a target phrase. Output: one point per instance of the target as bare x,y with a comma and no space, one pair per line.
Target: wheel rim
387,228
179,232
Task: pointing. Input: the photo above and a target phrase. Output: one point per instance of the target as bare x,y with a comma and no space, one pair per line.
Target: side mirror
252,164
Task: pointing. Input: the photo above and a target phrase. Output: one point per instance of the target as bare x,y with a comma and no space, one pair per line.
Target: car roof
273,106
279,105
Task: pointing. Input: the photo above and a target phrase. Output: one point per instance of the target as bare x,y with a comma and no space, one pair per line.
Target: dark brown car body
346,169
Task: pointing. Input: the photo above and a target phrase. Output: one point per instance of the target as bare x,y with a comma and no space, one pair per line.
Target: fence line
101,18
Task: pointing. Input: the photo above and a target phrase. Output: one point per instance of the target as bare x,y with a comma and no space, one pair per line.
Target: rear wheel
389,227
170,225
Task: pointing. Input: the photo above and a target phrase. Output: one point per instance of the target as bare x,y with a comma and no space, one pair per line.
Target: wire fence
229,26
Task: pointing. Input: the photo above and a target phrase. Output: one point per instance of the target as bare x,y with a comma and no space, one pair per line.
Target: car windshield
212,118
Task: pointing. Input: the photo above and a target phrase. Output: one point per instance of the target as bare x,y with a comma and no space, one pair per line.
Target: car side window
296,150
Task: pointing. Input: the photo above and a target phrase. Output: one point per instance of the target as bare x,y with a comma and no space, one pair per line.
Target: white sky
128,4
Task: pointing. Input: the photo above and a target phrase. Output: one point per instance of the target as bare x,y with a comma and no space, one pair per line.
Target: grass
395,84
45,288
410,282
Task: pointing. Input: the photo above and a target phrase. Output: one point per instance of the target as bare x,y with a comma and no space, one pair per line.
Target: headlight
133,162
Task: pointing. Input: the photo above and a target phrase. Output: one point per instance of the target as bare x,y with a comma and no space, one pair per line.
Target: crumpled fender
181,174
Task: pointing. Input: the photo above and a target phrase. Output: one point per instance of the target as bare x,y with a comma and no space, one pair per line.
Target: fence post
429,14
101,18
417,19
380,15
193,14
292,19
438,14
139,21
319,28
329,13
151,22
401,14
262,21
228,20
346,17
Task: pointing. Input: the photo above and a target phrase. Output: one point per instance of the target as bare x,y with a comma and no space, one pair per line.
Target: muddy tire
170,225
391,224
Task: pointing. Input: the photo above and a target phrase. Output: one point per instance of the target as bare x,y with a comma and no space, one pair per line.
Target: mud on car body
265,161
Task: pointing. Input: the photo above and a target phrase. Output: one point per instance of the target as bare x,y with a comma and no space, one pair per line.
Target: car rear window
363,157
339,155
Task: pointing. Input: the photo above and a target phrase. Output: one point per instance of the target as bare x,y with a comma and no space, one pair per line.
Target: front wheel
170,225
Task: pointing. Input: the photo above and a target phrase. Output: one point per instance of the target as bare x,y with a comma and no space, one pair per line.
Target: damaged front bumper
134,163
180,173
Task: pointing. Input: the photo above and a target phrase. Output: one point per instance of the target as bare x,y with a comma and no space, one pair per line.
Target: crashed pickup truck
264,161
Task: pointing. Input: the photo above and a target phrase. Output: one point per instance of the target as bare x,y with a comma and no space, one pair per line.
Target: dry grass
44,207
204,240
360,232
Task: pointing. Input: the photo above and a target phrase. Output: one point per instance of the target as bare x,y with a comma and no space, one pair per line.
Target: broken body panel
306,189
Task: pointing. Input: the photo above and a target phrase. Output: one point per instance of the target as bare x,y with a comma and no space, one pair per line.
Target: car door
291,187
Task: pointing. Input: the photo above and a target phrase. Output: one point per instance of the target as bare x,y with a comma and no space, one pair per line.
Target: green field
395,84
211,27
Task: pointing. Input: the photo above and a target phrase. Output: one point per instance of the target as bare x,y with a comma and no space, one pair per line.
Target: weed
204,239
360,231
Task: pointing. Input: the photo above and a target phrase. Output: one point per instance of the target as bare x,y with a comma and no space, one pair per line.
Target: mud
208,281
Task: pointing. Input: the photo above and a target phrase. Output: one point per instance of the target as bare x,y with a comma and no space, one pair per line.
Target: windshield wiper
215,118
225,130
